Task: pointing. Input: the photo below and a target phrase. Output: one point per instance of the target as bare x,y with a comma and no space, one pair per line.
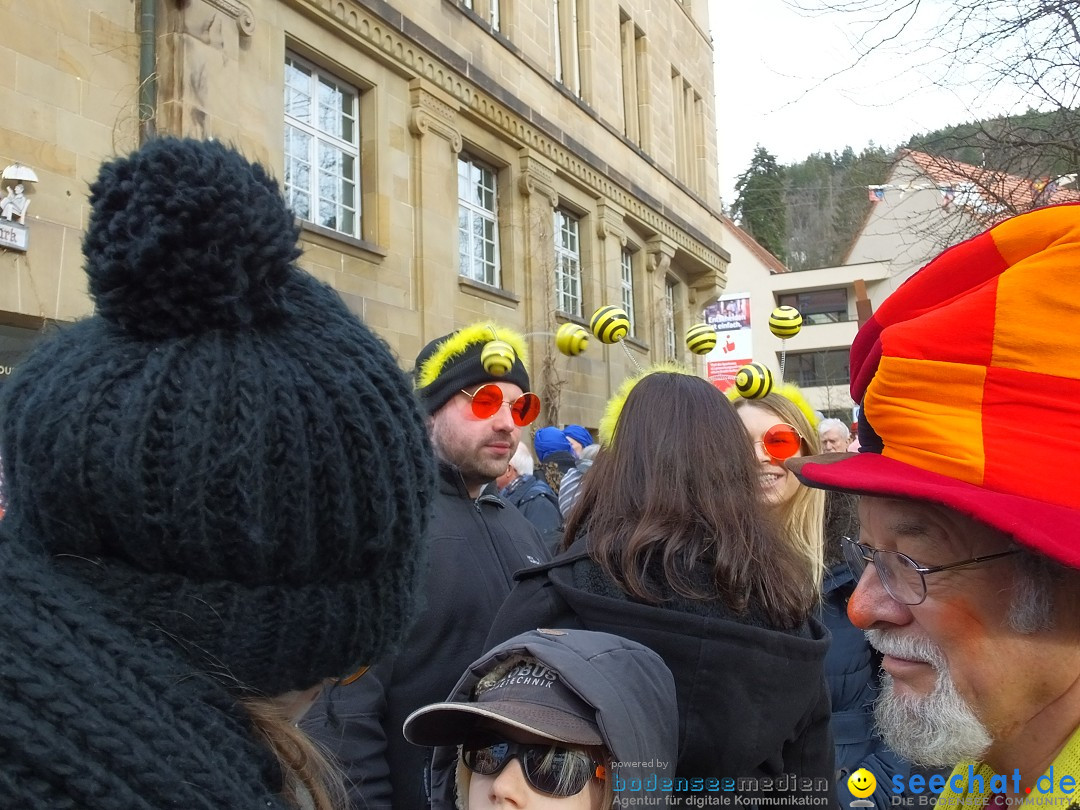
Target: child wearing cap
670,545
585,718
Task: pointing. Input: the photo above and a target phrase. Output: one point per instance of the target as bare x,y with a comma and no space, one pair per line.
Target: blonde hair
310,780
802,518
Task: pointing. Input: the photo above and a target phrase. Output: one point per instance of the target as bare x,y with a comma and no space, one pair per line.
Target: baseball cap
526,694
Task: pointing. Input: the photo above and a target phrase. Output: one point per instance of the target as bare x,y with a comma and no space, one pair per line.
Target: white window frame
626,268
670,338
567,262
472,211
324,189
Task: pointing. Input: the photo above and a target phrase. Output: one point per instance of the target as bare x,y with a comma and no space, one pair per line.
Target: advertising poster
730,315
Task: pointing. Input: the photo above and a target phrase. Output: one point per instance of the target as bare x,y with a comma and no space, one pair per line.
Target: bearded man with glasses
475,388
969,545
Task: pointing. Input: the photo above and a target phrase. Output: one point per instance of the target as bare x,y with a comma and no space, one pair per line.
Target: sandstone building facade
521,160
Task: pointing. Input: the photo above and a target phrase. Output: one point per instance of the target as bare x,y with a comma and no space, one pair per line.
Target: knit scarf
978,783
98,719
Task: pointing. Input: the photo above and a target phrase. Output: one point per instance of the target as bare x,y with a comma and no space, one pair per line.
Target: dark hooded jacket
535,500
629,686
753,703
852,671
474,548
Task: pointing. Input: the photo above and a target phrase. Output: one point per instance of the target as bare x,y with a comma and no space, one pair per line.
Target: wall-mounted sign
14,236
734,345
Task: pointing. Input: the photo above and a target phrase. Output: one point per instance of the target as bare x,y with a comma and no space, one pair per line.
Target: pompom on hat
963,373
454,362
222,452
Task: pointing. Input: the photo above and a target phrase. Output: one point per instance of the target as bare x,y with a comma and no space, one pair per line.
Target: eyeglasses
550,769
903,578
781,441
354,677
487,399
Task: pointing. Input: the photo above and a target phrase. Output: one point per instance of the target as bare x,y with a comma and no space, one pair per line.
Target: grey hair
826,425
522,460
1032,605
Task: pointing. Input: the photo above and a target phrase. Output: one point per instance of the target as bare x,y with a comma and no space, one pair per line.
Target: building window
689,128
818,306
671,344
567,263
488,9
322,153
635,85
565,22
812,369
478,228
626,264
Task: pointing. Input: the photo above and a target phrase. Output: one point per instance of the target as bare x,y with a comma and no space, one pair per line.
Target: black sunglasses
554,770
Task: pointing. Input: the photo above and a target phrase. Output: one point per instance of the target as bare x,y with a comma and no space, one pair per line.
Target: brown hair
309,778
677,491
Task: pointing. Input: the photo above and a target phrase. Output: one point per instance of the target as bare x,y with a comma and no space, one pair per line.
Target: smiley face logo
861,783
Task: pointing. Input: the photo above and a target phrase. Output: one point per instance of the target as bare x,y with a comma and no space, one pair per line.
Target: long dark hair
677,492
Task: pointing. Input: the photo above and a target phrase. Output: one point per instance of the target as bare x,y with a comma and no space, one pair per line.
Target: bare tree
1026,50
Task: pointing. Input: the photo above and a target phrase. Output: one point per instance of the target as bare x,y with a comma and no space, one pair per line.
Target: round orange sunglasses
487,399
781,441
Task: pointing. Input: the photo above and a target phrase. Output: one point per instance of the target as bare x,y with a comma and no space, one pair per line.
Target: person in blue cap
581,441
578,437
555,455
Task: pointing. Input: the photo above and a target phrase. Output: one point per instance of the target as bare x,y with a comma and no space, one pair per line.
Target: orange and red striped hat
969,379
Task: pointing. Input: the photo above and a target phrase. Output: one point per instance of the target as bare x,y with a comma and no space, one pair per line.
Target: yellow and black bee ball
610,324
753,381
497,357
571,339
785,322
701,338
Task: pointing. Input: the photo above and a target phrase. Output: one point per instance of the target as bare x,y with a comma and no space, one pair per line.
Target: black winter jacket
752,700
536,501
474,548
852,671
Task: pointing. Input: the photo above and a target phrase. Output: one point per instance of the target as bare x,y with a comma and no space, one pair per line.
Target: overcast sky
772,88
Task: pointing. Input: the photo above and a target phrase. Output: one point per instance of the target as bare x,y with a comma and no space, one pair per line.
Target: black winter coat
852,671
536,501
752,700
474,548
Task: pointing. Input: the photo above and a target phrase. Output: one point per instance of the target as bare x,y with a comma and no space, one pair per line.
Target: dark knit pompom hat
222,451
453,362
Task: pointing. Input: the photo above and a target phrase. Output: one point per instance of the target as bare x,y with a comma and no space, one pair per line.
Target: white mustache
907,647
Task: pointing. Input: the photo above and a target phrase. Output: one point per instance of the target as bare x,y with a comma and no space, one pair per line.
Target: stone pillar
435,203
536,183
659,251
611,239
198,68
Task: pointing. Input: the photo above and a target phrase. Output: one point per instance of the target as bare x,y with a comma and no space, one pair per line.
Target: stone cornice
239,11
609,222
384,41
431,114
659,252
536,178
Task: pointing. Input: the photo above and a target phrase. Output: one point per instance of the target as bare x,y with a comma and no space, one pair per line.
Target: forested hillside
807,213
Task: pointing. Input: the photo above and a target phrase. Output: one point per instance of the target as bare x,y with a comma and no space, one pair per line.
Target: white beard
938,730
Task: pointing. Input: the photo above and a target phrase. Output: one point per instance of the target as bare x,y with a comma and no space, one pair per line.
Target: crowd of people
247,561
